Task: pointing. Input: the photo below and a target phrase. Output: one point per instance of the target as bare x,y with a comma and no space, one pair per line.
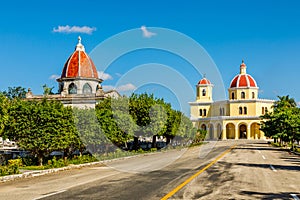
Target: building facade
79,83
235,118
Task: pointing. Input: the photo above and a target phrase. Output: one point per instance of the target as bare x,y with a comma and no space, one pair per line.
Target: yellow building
235,118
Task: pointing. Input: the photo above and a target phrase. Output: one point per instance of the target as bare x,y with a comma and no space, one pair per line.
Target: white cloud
298,103
147,33
74,29
126,87
54,77
121,88
108,87
104,76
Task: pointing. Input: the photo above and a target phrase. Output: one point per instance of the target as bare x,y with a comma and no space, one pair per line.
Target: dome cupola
204,81
79,64
79,75
243,80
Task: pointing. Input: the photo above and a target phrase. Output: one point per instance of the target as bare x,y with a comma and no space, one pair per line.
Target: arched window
240,110
223,111
253,95
87,89
243,95
245,110
72,89
263,110
200,112
203,92
232,95
204,112
203,127
266,109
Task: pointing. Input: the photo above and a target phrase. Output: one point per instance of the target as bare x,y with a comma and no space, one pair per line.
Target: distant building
235,118
79,84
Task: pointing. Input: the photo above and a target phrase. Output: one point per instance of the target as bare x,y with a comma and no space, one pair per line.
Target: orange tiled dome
204,81
79,64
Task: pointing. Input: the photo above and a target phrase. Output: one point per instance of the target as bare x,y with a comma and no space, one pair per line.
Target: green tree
47,90
109,125
41,127
4,104
284,121
89,130
15,92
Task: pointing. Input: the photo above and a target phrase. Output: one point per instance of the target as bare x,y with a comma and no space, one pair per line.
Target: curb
35,173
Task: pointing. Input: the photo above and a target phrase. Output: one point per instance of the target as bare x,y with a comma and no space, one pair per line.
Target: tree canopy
41,127
284,121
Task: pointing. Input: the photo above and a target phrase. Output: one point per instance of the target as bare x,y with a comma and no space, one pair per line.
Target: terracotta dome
204,81
79,64
243,79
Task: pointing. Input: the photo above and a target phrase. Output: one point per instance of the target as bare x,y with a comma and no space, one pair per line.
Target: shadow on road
267,196
281,167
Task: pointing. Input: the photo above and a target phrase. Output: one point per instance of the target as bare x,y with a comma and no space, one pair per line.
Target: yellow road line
179,187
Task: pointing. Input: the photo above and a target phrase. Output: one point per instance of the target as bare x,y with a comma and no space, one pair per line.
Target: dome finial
243,68
79,46
204,75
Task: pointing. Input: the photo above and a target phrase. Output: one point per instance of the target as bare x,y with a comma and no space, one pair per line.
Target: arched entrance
219,131
203,127
255,132
211,131
230,131
243,131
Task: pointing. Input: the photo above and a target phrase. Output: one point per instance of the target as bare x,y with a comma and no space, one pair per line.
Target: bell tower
204,90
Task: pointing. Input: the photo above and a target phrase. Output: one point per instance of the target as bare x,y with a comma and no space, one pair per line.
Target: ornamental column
224,133
236,137
248,132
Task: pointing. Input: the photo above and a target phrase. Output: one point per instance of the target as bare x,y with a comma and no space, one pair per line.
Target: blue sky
266,34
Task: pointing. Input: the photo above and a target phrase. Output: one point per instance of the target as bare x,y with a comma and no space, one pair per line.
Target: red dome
243,80
79,64
204,81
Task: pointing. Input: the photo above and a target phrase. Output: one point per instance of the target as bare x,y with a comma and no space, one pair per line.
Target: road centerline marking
179,187
271,166
295,196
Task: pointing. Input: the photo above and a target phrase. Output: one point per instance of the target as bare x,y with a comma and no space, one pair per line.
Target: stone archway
255,132
243,131
230,131
203,127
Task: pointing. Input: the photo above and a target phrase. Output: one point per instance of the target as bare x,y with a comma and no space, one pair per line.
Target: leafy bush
11,168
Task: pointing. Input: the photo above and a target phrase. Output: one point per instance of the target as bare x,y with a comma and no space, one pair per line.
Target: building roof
243,79
79,64
204,81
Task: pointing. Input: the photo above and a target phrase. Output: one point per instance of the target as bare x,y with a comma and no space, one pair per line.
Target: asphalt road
250,171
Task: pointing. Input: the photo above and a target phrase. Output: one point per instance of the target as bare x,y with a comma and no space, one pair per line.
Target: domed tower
243,86
204,90
79,75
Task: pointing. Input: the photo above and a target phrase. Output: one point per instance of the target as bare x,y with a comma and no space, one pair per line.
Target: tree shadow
281,167
267,196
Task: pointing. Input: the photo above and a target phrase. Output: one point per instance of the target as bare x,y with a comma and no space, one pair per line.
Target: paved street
250,171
